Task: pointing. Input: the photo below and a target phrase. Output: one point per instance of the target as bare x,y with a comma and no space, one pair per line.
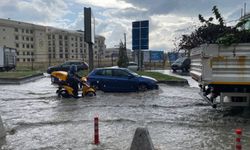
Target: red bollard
238,145
96,131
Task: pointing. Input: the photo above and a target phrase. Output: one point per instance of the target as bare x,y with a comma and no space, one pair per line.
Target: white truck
223,73
7,58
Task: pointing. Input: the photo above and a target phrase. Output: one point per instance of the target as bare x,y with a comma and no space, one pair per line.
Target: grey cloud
34,10
185,7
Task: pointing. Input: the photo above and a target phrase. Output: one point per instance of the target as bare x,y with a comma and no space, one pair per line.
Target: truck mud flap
205,98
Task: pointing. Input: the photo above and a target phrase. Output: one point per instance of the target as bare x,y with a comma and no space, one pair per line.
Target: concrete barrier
2,130
142,140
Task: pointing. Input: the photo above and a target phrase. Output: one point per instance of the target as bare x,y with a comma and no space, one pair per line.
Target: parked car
133,66
182,63
120,80
81,65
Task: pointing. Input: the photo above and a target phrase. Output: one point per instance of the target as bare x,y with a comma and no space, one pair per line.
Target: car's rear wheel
142,87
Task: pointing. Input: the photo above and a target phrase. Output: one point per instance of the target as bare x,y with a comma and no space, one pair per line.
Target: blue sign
156,55
140,31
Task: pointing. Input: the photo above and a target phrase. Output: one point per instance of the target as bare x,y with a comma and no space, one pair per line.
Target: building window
65,38
60,37
23,60
17,45
53,36
23,45
17,53
22,30
3,29
31,38
54,43
49,36
31,31
16,37
16,29
81,39
27,39
49,49
28,59
23,38
54,56
27,46
32,53
72,45
17,59
49,42
60,43
72,39
28,53
27,31
80,44
31,46
61,55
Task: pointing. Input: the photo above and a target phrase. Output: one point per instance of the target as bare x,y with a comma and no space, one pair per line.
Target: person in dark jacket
73,79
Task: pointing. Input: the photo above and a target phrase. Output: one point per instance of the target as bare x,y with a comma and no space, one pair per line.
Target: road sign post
140,31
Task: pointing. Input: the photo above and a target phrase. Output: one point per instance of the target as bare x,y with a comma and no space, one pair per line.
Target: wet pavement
175,116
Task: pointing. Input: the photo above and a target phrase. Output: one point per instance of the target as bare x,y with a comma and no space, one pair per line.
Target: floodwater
175,116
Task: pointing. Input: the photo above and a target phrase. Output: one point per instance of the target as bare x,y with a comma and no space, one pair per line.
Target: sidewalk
191,82
21,80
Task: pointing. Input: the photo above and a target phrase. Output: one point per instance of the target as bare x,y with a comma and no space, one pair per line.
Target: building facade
43,46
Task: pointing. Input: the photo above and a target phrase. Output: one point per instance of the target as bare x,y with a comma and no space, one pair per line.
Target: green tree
123,57
211,32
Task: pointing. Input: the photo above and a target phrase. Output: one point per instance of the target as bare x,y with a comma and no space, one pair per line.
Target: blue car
120,80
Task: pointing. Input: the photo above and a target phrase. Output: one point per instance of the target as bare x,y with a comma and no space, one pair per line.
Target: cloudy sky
168,19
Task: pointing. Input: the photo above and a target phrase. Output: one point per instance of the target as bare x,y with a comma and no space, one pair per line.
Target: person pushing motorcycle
73,79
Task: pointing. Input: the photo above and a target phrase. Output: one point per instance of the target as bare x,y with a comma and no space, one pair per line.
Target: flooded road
175,116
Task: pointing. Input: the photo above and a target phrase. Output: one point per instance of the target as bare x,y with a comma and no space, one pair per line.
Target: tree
214,33
123,57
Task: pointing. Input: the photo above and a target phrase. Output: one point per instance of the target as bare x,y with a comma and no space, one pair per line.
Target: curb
21,80
175,83
2,130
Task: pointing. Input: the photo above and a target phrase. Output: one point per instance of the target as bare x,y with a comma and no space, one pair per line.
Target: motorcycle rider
73,80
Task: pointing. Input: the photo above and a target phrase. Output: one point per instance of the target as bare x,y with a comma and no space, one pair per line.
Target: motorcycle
66,91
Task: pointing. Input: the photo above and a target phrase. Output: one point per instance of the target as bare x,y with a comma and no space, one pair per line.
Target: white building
44,45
